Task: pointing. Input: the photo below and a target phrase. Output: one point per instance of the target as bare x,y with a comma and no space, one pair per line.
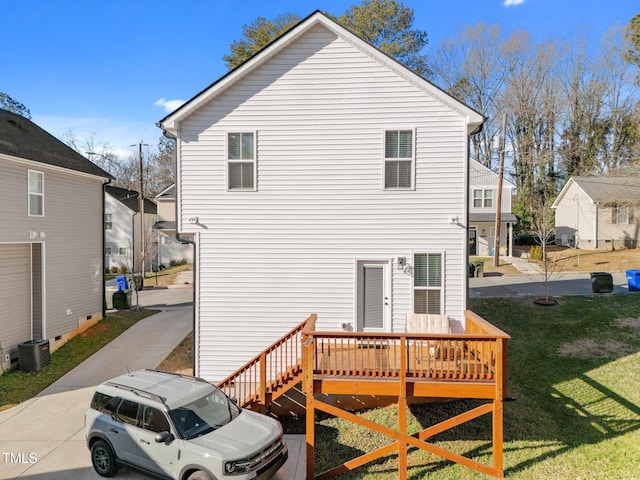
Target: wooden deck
405,366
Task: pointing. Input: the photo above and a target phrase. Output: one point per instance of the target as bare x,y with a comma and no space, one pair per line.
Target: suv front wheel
103,459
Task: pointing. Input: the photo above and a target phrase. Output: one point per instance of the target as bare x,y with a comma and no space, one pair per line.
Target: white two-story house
320,176
483,201
122,229
170,249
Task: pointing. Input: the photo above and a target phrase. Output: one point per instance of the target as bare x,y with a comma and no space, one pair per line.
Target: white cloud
509,3
169,105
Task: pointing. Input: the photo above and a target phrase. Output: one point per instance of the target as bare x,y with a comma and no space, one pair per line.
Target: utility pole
141,211
496,243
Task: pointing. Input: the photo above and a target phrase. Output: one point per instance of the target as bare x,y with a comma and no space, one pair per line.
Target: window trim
39,194
441,288
411,160
108,221
253,161
483,198
621,210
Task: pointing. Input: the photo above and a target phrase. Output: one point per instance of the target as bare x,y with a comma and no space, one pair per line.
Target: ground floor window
427,283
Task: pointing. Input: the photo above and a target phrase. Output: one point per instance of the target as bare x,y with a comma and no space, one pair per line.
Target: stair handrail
261,360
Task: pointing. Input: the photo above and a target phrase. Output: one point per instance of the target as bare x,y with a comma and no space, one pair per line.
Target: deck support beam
318,381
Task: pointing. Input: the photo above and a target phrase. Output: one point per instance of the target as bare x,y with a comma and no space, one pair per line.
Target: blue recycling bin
121,282
633,280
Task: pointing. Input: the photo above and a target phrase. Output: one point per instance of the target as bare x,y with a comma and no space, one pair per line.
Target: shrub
183,261
123,269
173,263
114,269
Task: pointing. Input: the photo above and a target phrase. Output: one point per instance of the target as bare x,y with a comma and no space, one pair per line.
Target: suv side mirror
163,437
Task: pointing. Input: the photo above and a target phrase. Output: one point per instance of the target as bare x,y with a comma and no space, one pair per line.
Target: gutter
190,242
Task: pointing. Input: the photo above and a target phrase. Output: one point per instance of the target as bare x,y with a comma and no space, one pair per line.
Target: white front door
373,298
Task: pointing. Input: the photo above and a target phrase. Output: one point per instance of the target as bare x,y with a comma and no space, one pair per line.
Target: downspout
104,248
194,256
595,224
467,227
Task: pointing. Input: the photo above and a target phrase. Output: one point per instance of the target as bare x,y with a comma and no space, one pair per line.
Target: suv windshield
204,415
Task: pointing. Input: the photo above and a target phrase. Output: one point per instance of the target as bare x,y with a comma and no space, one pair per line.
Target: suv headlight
237,467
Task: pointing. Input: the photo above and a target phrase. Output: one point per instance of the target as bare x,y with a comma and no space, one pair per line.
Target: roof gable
604,190
170,122
479,172
21,138
129,198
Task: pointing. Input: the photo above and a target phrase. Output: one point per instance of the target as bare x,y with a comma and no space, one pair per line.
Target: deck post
263,382
402,411
308,354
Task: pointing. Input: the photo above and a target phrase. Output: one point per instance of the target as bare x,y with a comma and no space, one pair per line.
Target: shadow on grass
574,400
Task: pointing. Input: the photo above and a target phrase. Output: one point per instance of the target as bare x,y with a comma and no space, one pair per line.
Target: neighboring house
170,249
483,198
51,239
320,176
598,213
122,230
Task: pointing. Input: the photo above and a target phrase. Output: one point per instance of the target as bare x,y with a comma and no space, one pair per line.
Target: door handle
142,440
113,430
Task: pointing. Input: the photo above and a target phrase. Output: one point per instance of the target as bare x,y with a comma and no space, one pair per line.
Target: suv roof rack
181,375
139,392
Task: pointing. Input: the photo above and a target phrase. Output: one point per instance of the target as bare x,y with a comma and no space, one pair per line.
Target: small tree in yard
543,223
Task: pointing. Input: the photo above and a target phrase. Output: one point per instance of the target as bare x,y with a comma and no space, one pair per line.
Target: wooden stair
270,374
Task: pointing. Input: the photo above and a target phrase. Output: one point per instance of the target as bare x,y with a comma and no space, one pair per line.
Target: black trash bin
601,282
121,299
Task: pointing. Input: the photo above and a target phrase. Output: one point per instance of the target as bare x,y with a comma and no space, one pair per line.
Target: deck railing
261,379
476,355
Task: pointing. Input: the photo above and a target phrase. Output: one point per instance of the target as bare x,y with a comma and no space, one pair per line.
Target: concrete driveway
43,438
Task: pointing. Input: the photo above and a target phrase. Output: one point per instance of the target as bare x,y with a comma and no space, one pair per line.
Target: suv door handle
113,430
142,440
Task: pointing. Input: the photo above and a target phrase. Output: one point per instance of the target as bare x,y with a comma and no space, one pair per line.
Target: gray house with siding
598,213
51,239
320,176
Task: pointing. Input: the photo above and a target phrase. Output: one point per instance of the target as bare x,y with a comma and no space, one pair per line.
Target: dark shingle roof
129,198
610,190
20,137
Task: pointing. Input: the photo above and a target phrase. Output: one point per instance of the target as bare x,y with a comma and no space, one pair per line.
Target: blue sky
108,67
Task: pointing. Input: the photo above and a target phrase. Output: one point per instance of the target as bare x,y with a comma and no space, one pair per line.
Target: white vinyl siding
398,159
268,260
36,193
241,161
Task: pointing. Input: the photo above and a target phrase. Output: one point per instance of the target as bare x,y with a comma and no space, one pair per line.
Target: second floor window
36,194
241,161
483,198
108,223
398,159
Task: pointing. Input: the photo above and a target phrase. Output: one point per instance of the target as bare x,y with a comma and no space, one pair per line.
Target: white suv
179,427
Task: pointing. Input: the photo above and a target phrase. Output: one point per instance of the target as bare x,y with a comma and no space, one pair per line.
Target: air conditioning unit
33,355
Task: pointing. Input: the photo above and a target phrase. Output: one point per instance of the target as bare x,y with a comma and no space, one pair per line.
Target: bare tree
472,65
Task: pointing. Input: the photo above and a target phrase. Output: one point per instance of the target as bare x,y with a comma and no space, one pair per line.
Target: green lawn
17,386
574,371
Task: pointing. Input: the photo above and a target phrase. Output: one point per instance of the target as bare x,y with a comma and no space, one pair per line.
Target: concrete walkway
43,438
